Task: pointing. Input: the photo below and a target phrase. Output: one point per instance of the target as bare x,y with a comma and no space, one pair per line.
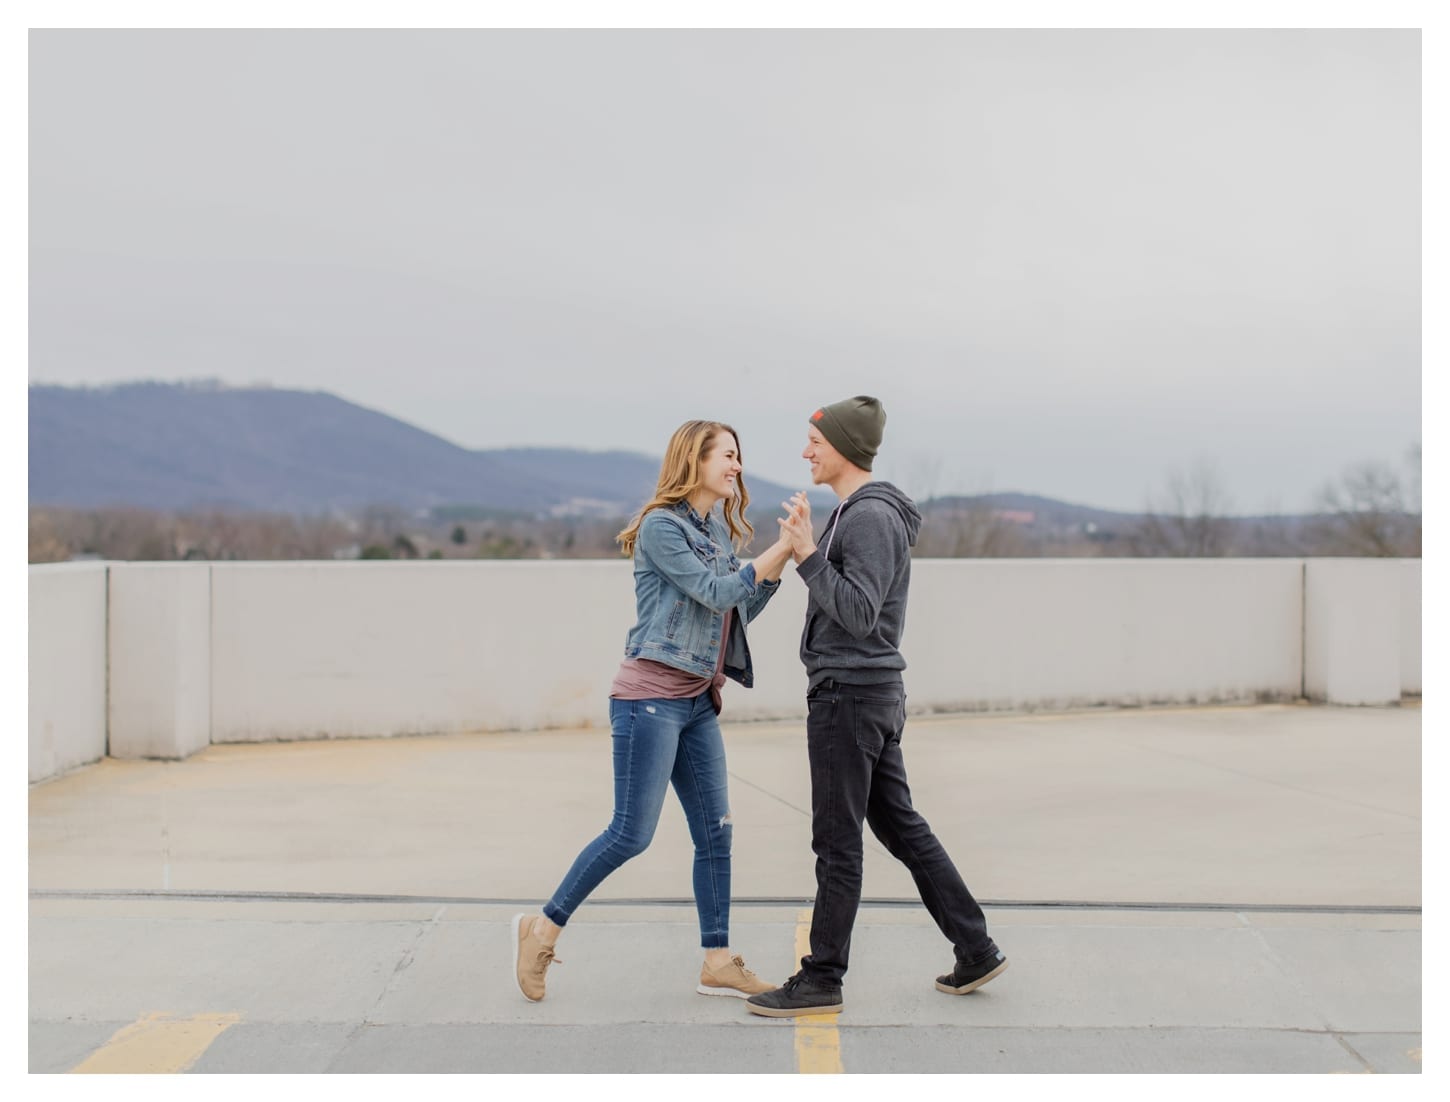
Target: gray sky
1069,262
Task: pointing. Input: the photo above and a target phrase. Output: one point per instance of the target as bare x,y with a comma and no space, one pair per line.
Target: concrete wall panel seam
1304,630
108,656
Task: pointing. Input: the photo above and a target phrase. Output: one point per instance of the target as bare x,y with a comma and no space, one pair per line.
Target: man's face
826,462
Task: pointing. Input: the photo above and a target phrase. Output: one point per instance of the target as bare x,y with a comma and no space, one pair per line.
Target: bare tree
1192,521
139,535
381,524
920,475
129,534
1412,461
320,538
1367,513
955,528
969,531
47,542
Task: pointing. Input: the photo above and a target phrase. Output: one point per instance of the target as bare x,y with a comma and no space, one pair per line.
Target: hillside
188,446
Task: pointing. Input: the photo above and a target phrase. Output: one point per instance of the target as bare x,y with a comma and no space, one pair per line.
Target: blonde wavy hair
680,477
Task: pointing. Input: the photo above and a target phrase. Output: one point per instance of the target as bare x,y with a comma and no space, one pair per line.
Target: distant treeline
951,529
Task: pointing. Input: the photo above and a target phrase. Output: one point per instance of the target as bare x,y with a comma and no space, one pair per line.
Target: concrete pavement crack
867,838
404,961
1349,1048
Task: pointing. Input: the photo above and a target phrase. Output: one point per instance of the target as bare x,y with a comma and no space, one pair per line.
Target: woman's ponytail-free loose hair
680,477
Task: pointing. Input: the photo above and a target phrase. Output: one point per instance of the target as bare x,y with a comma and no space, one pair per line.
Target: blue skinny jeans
658,743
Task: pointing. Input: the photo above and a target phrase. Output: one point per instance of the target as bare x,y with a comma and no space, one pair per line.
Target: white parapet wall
237,652
409,648
67,653
319,650
160,647
1054,634
1355,630
1411,626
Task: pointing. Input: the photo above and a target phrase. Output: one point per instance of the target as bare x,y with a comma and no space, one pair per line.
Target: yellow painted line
157,1043
817,1042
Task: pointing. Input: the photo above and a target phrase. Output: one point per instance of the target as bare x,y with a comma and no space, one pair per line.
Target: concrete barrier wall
328,650
318,650
160,633
1354,630
67,657
1067,633
1411,621
229,652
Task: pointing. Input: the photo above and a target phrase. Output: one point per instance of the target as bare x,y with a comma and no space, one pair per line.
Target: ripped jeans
658,743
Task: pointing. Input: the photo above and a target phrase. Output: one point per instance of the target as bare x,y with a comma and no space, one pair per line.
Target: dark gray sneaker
969,977
795,997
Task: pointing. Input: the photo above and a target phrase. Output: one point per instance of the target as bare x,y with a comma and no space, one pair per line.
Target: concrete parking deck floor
1197,890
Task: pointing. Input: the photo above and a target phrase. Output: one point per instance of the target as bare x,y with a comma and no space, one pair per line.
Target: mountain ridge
207,445
187,446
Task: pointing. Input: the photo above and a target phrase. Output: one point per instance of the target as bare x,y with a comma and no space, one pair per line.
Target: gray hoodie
857,578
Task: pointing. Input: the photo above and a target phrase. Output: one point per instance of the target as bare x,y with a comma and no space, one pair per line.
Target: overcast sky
1068,262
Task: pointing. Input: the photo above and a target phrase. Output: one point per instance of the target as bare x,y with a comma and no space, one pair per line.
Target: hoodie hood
886,491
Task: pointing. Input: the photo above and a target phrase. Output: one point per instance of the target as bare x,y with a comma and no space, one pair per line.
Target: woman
693,600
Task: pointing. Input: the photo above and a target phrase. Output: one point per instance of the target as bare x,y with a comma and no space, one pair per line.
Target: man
857,708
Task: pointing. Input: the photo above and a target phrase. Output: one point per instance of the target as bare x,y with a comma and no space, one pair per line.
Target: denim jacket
685,576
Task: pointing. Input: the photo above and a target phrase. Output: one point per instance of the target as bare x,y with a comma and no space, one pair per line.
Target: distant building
1015,516
588,507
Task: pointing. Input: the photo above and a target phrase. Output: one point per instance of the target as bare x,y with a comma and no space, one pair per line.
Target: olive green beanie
853,426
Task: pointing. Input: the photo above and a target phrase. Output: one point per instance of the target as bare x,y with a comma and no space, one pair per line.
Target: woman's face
720,466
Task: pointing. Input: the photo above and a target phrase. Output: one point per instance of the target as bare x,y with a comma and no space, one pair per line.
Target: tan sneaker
732,979
531,958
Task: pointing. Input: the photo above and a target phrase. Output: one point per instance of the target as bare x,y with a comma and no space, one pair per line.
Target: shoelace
739,962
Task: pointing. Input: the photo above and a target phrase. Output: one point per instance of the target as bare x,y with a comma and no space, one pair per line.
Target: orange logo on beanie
818,415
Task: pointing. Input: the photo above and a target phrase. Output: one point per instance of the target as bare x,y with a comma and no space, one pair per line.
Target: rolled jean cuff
990,951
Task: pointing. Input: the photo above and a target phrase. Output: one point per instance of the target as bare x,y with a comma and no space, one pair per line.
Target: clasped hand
795,527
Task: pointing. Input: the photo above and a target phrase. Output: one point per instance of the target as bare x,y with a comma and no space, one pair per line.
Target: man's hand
795,526
801,504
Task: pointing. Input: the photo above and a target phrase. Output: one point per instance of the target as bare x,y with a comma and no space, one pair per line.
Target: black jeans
853,737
